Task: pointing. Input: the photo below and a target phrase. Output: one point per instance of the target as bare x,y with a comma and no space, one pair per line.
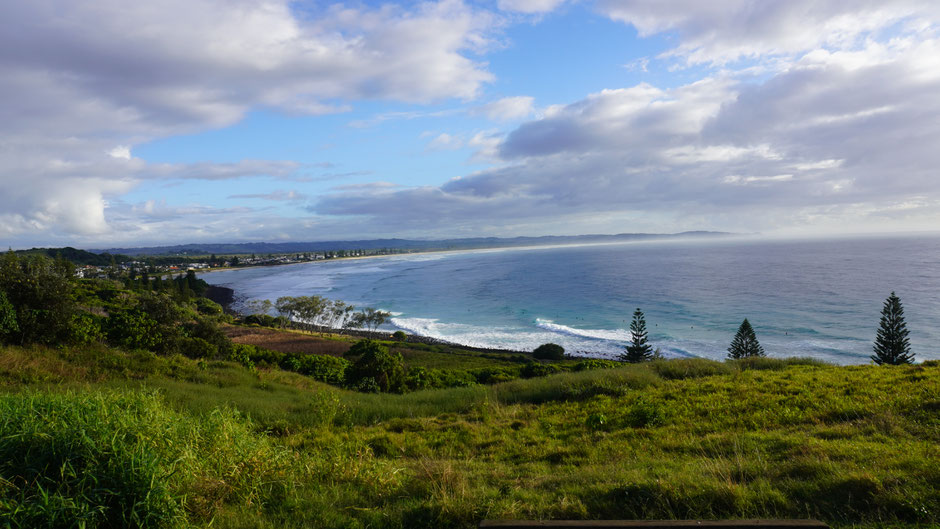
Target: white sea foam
616,335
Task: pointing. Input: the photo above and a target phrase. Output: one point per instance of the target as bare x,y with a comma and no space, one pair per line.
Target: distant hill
400,244
79,257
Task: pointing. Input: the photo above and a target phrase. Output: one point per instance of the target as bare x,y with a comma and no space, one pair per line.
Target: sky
180,121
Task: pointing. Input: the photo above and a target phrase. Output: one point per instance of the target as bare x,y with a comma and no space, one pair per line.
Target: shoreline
225,296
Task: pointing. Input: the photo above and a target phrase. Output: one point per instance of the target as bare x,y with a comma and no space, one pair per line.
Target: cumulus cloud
836,137
86,81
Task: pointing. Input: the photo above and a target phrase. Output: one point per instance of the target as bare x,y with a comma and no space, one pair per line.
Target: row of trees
321,312
891,347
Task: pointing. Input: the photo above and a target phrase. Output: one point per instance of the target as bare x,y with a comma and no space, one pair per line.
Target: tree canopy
745,343
892,345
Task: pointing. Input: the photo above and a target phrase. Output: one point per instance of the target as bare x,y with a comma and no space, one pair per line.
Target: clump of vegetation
549,351
126,460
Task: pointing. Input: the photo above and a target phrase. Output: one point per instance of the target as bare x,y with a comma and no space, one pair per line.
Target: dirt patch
286,342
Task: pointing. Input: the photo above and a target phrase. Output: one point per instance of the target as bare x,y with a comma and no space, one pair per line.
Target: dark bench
655,524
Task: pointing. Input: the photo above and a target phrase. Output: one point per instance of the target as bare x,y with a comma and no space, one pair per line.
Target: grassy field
134,439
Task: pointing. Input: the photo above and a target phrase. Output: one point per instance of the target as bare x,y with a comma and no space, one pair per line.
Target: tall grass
126,460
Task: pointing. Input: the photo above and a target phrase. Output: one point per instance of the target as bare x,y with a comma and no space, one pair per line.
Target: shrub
645,413
421,378
241,353
197,348
210,331
494,375
325,368
376,369
400,336
208,307
86,329
593,363
549,351
134,330
536,369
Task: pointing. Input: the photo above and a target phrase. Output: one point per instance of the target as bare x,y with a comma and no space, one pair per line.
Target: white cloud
121,151
830,140
529,6
507,108
86,81
726,30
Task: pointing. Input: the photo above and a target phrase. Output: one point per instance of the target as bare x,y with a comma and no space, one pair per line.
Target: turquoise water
818,298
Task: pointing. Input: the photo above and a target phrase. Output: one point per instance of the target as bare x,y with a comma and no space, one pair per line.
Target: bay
818,298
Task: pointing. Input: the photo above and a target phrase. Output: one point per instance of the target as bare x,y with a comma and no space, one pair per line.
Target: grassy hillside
137,439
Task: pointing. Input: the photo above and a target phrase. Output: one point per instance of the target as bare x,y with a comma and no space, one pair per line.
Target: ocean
817,298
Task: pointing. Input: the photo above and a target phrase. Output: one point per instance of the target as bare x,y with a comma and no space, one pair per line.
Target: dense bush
208,307
197,348
86,328
38,291
594,363
133,329
325,368
376,370
536,369
8,324
549,351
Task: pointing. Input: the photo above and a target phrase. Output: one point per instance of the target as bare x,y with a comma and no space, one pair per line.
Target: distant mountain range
399,244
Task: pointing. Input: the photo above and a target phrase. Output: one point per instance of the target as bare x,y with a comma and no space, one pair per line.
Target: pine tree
891,344
638,350
745,342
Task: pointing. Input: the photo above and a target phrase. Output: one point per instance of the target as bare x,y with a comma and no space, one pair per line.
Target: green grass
853,446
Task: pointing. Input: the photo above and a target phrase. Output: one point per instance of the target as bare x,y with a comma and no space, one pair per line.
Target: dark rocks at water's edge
222,295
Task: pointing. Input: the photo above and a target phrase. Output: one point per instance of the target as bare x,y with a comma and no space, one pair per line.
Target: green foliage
40,292
116,460
536,369
241,353
266,320
325,368
593,363
208,329
208,307
8,324
639,349
745,343
86,328
376,370
399,336
892,345
198,348
369,318
134,329
549,351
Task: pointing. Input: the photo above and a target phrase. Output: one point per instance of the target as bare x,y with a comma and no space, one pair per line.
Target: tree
369,318
891,344
638,350
41,294
549,351
745,343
